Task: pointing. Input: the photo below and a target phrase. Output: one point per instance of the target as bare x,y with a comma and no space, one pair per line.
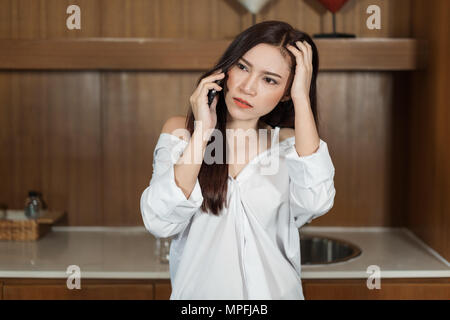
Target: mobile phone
212,93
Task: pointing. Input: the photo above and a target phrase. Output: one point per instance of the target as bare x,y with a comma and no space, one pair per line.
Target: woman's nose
248,85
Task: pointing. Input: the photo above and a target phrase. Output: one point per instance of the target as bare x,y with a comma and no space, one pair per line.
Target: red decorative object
333,5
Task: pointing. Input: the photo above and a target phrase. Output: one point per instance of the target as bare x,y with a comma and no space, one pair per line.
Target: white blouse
252,250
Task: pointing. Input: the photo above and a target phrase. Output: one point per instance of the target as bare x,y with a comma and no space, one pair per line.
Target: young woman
234,226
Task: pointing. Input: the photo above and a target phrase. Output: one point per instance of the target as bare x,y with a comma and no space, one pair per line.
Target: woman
235,227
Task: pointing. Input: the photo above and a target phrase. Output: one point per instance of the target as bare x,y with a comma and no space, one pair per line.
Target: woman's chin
237,113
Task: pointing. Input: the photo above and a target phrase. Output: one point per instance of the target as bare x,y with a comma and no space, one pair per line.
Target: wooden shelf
370,54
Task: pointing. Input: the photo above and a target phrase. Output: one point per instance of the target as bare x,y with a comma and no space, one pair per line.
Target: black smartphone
212,93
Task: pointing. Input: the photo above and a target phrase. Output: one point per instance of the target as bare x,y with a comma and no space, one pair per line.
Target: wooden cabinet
163,290
160,289
390,289
56,289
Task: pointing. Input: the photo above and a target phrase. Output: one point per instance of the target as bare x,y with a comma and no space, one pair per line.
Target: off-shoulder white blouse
252,250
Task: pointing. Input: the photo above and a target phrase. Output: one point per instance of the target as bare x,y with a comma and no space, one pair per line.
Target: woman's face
260,77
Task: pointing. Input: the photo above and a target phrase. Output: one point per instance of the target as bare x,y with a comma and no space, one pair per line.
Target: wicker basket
17,226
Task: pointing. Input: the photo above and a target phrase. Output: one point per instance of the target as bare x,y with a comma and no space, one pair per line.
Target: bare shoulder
286,133
174,126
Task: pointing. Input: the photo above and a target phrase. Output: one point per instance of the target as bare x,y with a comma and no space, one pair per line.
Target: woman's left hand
303,70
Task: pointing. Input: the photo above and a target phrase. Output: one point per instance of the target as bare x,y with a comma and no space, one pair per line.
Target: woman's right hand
199,101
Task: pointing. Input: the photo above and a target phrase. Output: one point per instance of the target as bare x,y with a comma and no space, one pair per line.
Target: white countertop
396,251
129,253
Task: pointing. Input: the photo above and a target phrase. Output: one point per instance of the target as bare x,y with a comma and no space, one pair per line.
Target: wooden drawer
92,290
87,292
162,291
391,289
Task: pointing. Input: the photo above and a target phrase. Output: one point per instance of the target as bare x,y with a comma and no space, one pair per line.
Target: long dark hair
213,178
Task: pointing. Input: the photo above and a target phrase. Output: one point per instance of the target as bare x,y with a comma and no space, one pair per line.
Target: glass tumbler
163,249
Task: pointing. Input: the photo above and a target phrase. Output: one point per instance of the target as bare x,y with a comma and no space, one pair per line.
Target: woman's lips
241,104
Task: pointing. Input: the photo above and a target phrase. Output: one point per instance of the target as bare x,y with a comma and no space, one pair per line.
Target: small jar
33,205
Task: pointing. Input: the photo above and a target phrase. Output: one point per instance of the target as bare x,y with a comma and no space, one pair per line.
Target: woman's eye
239,65
274,82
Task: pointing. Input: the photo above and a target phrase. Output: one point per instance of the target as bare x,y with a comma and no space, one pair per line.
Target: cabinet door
162,291
86,292
391,289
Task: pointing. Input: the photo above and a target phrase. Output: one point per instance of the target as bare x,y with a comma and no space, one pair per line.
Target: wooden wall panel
429,200
93,133
135,107
25,19
356,113
312,17
194,19
6,140
359,129
51,142
44,19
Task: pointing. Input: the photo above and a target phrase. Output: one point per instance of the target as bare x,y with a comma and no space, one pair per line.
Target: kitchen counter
129,253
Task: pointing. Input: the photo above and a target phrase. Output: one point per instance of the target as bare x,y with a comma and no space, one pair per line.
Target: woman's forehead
269,58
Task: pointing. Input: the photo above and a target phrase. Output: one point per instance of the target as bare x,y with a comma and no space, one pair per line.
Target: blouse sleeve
311,183
164,207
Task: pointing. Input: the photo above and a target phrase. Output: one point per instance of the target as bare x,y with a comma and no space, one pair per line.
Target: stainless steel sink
325,250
